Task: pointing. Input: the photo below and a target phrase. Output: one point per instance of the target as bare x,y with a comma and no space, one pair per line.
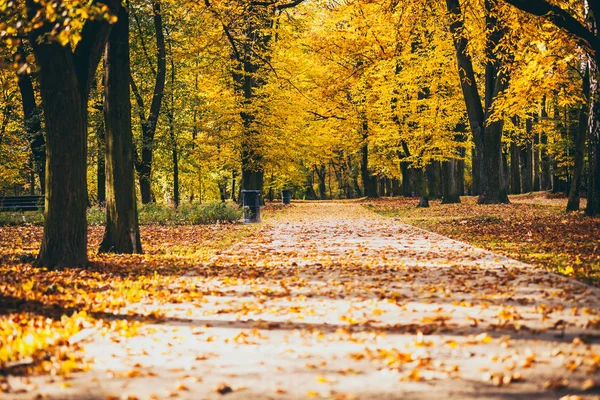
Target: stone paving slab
330,300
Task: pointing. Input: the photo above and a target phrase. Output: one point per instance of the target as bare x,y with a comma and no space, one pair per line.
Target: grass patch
149,214
533,229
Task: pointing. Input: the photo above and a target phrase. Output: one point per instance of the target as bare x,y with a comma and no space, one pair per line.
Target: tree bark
593,194
65,80
580,136
122,233
321,172
536,162
450,187
101,171
144,164
515,168
173,136
369,182
33,124
526,166
434,179
487,161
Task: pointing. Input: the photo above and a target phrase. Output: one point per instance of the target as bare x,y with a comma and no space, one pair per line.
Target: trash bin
286,197
251,203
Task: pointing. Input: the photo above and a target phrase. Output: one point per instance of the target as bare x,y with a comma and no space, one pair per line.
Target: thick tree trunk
593,194
121,234
450,188
580,136
65,226
487,162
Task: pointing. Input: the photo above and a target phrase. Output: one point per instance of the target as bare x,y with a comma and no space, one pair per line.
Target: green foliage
190,214
149,214
21,218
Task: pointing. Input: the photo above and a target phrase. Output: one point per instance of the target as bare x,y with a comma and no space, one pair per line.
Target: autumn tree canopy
330,99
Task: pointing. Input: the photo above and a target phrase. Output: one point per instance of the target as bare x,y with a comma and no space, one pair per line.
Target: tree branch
89,49
561,18
276,4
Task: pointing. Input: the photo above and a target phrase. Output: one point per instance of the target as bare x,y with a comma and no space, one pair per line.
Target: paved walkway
330,300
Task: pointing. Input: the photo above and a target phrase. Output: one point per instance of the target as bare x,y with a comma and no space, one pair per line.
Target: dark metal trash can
251,203
286,197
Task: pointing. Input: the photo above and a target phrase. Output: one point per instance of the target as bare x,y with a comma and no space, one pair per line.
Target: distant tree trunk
396,187
536,162
310,190
434,179
558,184
144,165
172,135
233,178
579,140
122,233
515,168
101,171
65,80
321,172
525,158
369,181
545,179
450,188
422,188
355,189
33,124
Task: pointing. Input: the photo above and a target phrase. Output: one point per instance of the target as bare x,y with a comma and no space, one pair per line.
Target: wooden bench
21,203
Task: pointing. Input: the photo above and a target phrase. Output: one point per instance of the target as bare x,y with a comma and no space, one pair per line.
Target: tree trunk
33,125
321,172
487,161
536,162
121,234
593,194
233,178
450,188
434,179
515,168
525,161
422,187
369,181
580,136
101,164
65,226
173,137
144,165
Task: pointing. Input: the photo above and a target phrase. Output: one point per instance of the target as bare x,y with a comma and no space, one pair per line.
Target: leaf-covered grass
41,310
533,228
149,214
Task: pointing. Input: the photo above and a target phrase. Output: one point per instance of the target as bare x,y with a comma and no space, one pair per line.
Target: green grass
149,214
